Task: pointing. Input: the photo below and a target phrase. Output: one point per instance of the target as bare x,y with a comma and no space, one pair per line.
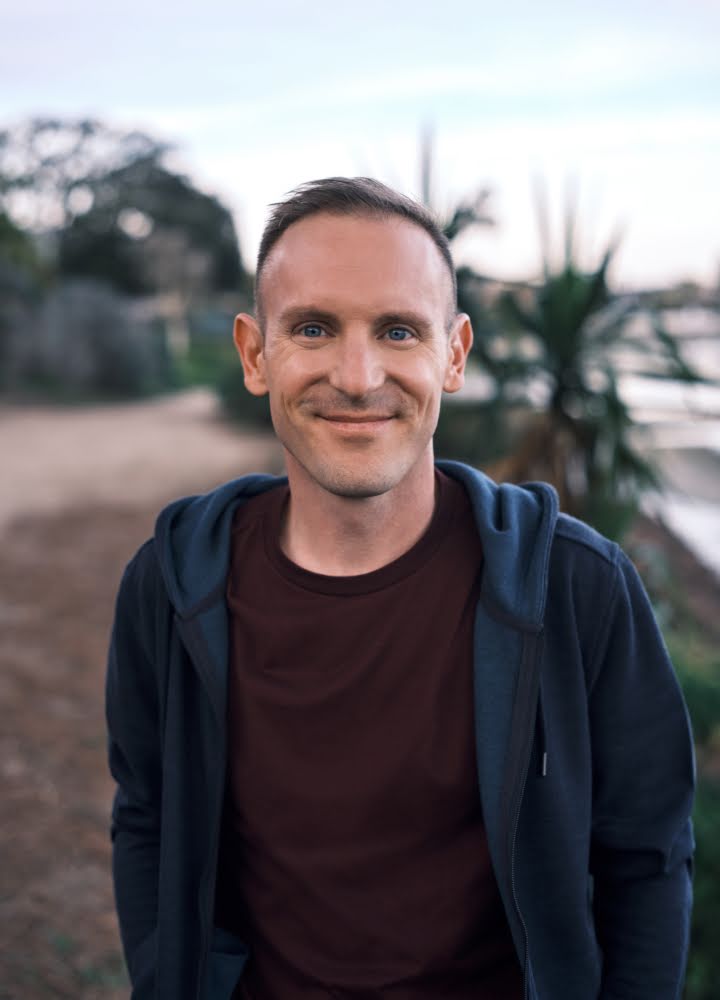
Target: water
679,426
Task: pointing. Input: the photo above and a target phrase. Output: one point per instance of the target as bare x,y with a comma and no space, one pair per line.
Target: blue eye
401,330
311,330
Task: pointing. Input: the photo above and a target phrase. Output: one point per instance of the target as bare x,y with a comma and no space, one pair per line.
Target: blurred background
572,154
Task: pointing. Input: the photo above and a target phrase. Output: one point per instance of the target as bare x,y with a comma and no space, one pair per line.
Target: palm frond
678,367
517,315
471,212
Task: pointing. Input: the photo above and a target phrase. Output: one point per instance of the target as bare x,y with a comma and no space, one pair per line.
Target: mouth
358,425
365,418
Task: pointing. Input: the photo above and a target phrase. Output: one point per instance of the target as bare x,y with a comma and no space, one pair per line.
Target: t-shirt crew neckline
363,583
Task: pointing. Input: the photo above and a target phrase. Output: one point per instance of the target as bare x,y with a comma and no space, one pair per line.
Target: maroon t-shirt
353,856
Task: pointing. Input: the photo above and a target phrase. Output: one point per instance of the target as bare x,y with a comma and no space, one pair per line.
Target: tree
47,166
111,209
570,340
21,276
105,210
555,353
149,230
17,250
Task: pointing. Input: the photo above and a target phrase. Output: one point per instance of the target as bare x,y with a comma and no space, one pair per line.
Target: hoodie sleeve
643,782
132,711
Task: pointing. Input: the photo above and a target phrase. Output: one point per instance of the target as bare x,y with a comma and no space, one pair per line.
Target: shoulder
141,593
142,571
579,549
583,557
590,579
596,592
576,540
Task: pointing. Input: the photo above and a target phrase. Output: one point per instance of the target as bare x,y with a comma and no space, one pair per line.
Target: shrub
703,974
240,405
84,341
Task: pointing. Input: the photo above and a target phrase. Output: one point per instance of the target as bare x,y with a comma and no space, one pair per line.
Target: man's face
355,312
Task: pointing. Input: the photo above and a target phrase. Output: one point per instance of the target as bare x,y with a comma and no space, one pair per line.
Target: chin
353,476
354,482
356,487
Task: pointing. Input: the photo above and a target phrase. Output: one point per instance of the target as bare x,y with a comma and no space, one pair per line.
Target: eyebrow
300,314
405,318
303,314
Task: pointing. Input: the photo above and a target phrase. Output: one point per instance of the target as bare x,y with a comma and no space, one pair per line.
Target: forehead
342,261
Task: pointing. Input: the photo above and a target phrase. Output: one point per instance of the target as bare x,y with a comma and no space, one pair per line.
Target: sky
618,102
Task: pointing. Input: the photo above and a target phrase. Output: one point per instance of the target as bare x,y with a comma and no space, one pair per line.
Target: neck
347,536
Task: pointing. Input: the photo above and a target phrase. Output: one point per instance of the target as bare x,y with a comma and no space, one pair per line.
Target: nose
357,367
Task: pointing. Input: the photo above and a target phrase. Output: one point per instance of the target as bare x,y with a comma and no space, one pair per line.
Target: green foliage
697,664
18,254
112,218
476,433
557,348
110,973
116,212
207,361
46,165
239,404
21,277
149,230
578,330
213,361
468,214
560,347
703,973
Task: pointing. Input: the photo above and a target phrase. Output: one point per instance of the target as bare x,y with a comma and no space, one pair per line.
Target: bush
698,668
703,974
211,360
471,432
239,404
85,341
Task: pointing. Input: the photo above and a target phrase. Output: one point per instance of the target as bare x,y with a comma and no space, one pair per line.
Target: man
383,728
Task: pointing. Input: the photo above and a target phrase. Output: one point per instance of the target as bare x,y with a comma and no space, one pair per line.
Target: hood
515,523
516,526
192,539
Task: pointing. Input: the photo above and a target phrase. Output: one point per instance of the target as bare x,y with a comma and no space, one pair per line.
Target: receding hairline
353,197
357,212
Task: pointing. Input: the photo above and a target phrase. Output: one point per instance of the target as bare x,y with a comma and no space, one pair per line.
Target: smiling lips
364,419
358,424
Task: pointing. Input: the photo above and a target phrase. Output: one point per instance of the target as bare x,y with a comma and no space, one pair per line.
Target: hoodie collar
515,523
516,526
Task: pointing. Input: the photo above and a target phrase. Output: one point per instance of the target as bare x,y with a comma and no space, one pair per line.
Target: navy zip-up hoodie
584,754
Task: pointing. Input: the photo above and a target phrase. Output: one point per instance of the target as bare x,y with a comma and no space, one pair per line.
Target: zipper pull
540,737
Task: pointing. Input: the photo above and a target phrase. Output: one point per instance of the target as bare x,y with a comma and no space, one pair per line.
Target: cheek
425,379
283,375
294,368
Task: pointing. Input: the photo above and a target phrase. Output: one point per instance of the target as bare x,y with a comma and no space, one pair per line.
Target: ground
80,492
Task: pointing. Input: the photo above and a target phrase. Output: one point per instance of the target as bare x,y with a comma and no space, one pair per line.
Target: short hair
358,196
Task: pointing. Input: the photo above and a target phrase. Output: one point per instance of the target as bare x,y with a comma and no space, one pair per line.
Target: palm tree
555,352
571,339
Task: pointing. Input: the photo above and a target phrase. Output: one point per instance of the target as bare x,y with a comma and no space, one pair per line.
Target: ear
460,341
249,345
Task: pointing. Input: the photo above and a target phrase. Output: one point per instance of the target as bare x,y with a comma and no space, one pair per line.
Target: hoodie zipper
513,888
532,648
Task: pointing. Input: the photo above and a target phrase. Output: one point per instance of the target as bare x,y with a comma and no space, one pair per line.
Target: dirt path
79,493
54,458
